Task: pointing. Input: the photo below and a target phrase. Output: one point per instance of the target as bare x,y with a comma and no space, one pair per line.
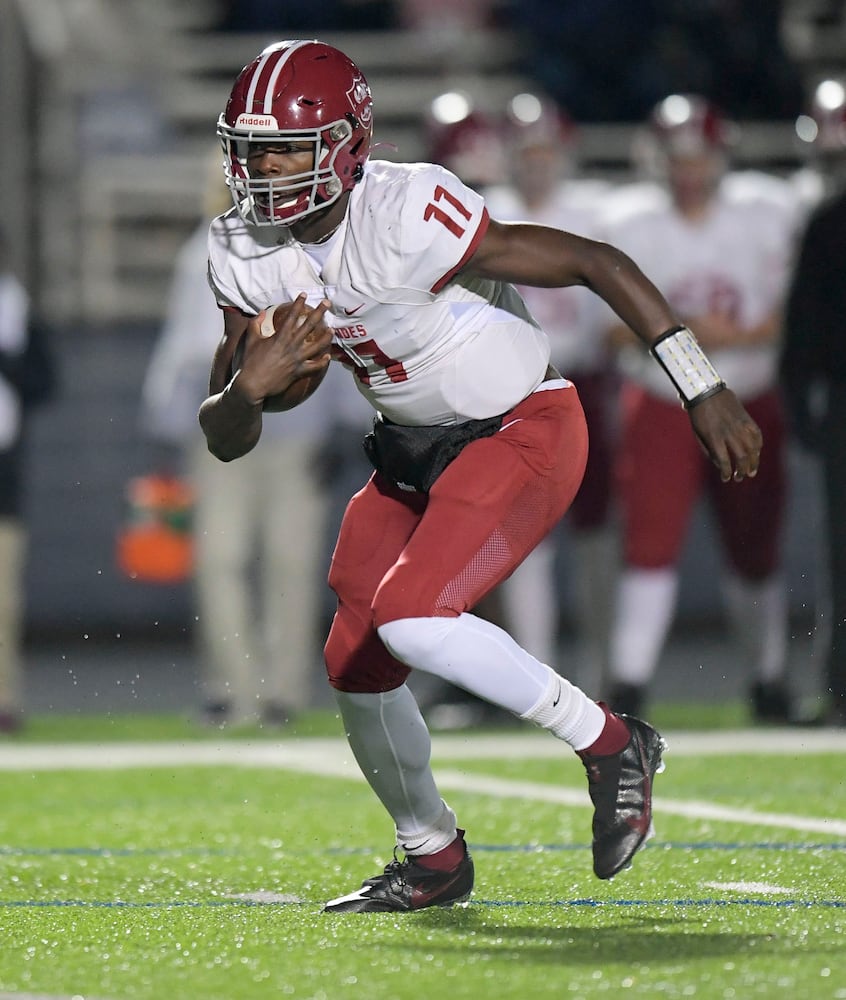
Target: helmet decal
359,95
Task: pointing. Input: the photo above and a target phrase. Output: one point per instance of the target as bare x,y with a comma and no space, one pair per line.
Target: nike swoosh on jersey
352,312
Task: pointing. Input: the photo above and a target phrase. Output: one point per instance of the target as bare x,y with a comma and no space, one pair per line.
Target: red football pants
407,555
662,472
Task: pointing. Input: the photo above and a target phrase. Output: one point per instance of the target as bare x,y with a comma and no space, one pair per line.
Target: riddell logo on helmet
256,121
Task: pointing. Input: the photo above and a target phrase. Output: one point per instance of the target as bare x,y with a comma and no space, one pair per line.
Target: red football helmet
464,139
540,143
688,125
296,91
824,126
536,120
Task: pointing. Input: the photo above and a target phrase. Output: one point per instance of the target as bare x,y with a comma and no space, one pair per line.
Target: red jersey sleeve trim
474,243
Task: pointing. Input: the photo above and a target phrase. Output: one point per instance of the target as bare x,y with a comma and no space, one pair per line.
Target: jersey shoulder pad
416,221
226,235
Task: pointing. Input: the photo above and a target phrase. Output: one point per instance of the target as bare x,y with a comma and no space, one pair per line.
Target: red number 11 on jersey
433,211
370,349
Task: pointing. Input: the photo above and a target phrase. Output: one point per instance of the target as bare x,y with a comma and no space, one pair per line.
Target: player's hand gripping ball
301,388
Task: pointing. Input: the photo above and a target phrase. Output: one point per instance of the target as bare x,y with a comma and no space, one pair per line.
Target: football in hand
300,389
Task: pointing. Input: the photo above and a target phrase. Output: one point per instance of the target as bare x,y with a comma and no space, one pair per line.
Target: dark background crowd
604,60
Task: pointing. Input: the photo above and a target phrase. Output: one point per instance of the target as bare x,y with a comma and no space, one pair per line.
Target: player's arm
269,359
230,421
528,254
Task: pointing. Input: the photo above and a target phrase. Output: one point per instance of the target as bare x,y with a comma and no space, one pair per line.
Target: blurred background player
260,528
813,367
720,251
540,151
26,379
466,139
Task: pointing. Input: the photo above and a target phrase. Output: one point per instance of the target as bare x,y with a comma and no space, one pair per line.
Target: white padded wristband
690,371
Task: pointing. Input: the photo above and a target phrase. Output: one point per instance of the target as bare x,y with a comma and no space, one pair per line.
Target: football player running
718,243
479,445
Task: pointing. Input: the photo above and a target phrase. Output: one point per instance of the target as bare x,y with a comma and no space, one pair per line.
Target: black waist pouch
414,457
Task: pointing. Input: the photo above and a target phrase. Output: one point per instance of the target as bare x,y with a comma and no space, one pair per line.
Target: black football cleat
620,787
405,886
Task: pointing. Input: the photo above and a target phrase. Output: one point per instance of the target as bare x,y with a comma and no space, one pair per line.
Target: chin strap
684,361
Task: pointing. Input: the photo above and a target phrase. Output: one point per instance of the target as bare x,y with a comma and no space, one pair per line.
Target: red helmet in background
464,139
825,125
689,125
536,120
684,145
539,140
296,91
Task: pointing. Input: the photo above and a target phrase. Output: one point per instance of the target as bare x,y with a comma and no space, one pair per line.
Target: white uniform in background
734,261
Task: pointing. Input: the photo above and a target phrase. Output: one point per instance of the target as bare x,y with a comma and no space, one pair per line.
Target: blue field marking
704,845
764,845
806,904
782,904
666,845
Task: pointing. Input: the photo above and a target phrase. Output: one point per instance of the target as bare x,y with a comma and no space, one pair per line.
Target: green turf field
187,868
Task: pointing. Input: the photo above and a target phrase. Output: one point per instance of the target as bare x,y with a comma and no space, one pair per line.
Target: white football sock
567,713
483,659
758,612
646,601
390,741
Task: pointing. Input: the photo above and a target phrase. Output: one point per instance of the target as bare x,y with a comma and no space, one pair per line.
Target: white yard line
499,788
331,758
459,746
681,744
759,888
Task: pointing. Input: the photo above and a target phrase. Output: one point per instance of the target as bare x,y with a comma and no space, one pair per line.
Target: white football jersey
570,316
735,261
177,377
426,346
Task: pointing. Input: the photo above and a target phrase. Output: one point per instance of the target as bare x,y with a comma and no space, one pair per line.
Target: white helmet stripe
268,54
